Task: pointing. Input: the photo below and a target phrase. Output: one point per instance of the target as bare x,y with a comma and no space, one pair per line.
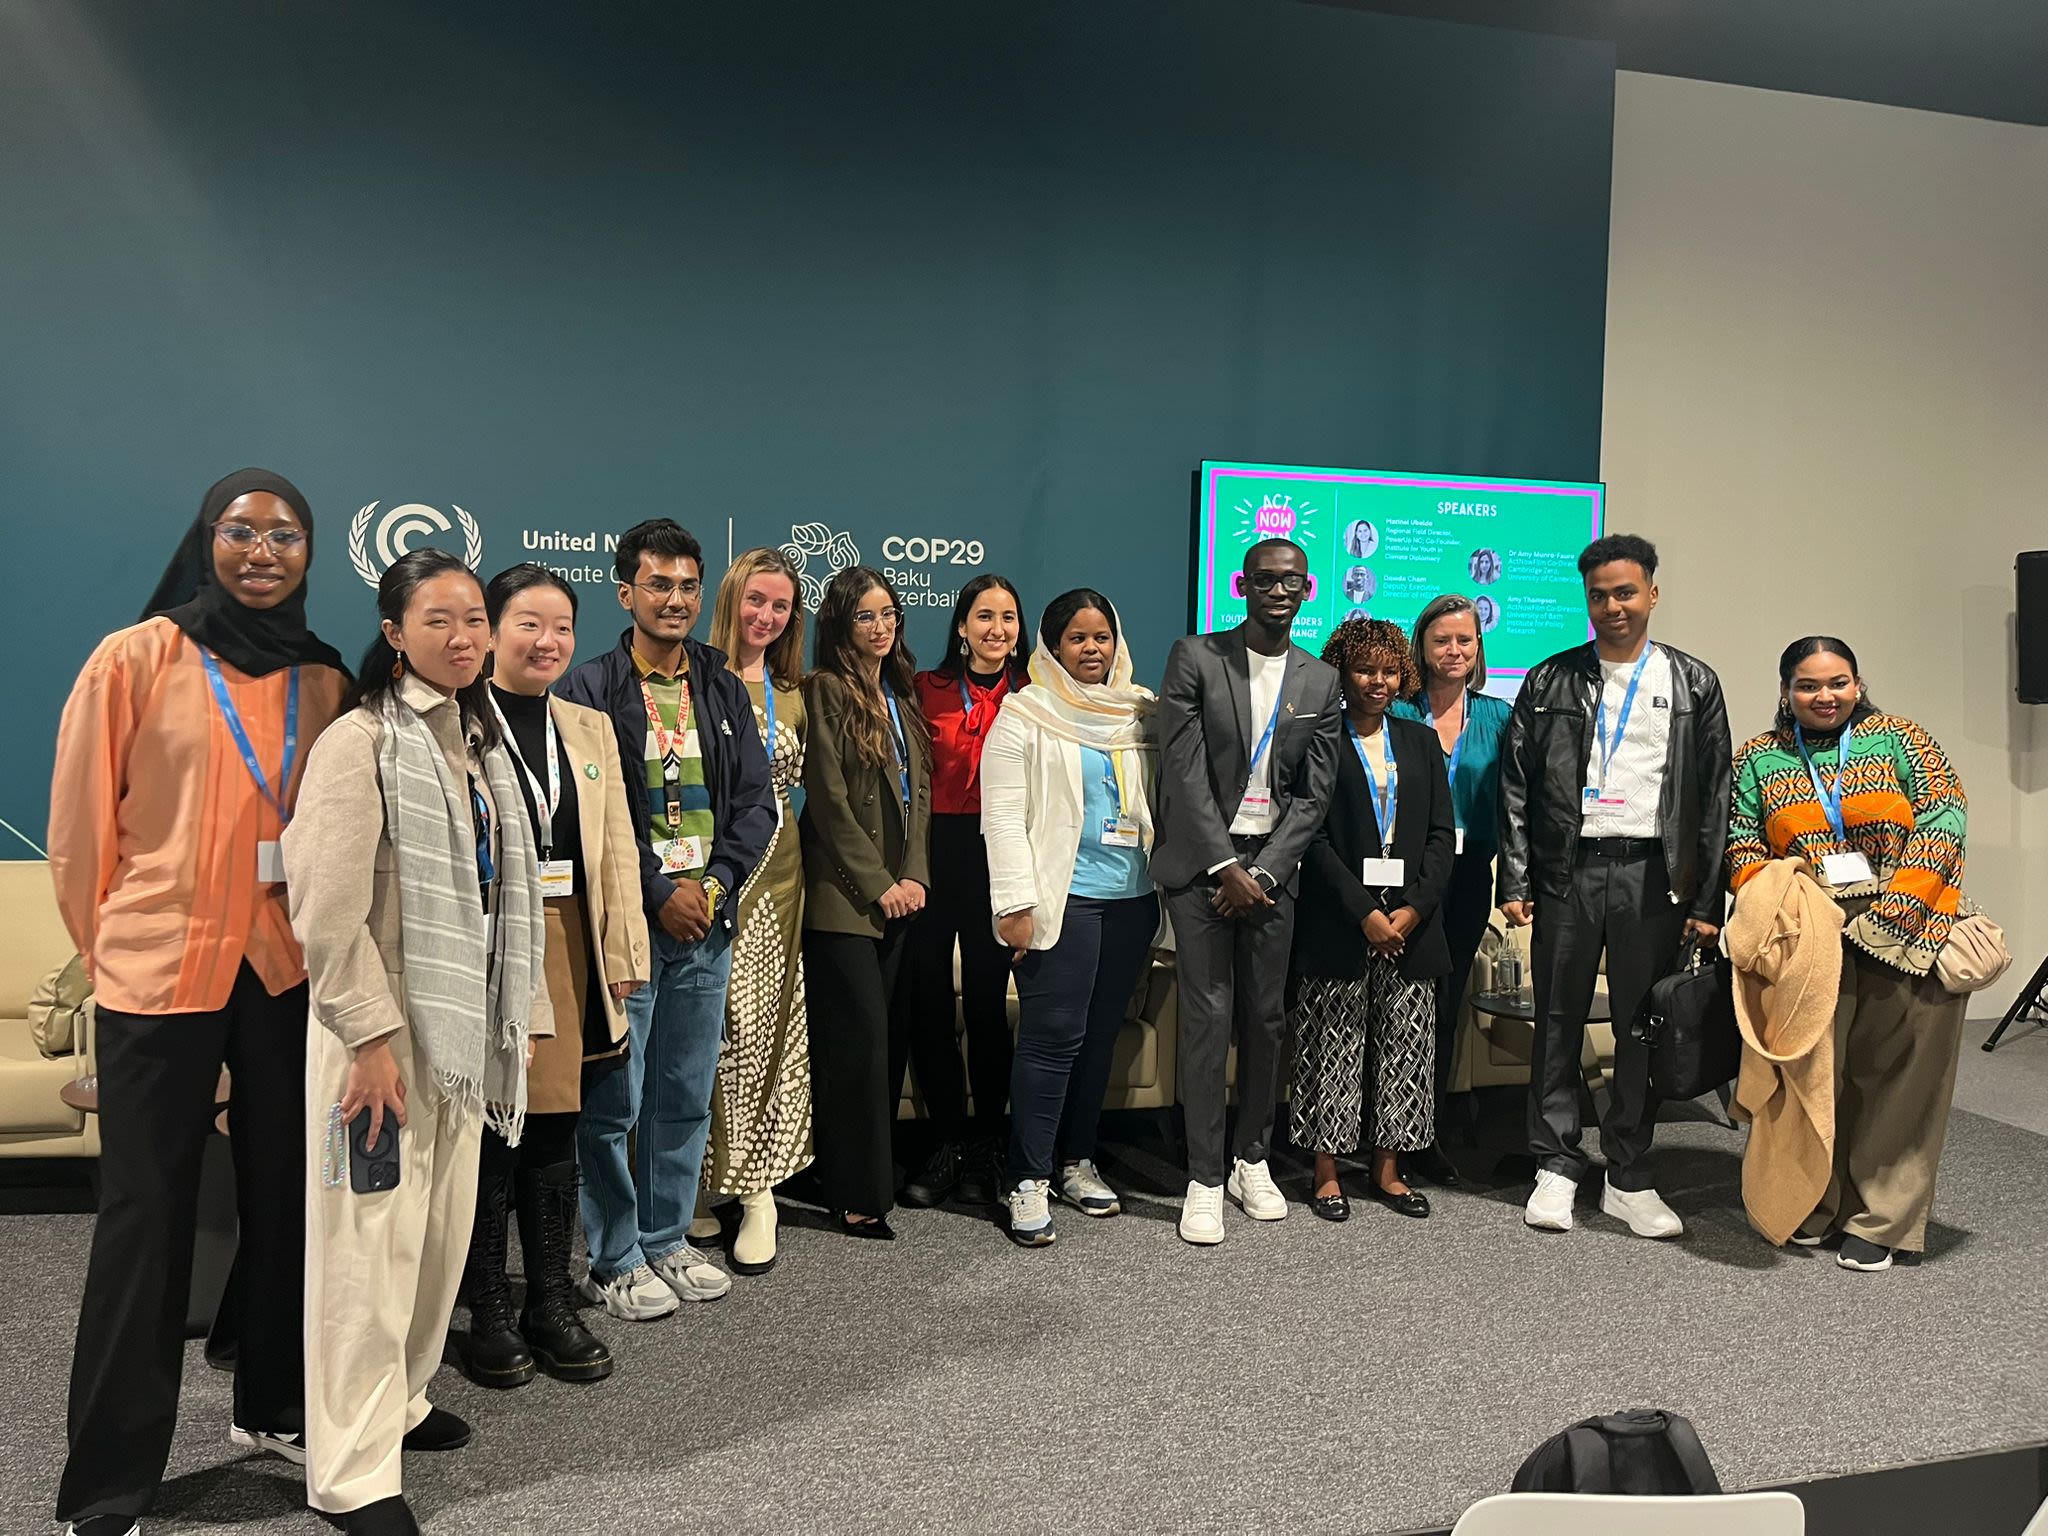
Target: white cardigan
1031,812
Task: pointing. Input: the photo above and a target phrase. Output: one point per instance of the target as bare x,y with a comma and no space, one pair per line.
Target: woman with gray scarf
418,903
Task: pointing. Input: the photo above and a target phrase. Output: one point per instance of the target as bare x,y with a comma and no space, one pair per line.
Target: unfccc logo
833,552
396,530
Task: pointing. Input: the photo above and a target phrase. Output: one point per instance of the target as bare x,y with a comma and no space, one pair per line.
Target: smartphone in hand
372,1170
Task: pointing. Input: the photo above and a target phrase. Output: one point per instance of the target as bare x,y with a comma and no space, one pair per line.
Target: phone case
369,1172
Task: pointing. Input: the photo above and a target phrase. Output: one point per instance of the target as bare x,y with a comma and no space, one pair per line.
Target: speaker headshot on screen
1488,611
1358,613
1485,567
1361,540
1359,585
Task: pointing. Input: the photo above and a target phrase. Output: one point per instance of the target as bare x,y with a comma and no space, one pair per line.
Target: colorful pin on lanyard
247,748
1830,798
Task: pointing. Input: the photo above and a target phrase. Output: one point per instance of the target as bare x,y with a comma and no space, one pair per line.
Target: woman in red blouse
984,662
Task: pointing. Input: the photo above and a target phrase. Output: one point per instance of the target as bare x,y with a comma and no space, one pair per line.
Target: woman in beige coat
415,893
573,796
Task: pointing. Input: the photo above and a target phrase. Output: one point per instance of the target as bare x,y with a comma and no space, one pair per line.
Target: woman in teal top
1469,726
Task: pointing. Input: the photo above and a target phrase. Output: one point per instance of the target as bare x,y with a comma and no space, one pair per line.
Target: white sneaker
291,1447
1550,1207
1201,1214
1251,1186
1083,1188
1030,1216
637,1296
1646,1214
692,1276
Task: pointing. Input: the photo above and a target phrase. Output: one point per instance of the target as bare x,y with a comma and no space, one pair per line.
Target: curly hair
1356,642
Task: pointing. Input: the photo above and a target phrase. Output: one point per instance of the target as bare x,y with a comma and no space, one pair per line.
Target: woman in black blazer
1368,941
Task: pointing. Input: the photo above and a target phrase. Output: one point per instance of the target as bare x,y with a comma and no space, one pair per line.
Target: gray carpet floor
1375,1377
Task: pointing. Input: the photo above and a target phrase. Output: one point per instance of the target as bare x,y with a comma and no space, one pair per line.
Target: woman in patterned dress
761,1106
1885,835
1368,935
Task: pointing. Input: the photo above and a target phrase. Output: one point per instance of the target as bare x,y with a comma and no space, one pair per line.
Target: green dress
761,1105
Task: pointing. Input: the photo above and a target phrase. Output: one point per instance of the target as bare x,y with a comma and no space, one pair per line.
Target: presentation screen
1381,544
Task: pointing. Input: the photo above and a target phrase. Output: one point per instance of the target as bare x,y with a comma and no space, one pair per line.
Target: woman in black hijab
177,767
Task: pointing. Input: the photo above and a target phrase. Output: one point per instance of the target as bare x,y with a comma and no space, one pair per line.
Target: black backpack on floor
1644,1451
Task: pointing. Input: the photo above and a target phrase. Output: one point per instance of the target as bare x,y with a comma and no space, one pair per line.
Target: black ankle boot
495,1355
548,1214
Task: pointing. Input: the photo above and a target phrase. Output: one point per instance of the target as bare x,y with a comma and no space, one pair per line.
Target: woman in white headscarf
1066,782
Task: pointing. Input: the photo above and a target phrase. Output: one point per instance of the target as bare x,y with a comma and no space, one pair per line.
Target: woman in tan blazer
416,896
865,836
574,795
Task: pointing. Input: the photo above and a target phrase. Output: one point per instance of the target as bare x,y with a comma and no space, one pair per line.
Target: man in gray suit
1249,729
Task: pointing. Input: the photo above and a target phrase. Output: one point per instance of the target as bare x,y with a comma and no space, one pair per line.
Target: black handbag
1647,1451
1688,1022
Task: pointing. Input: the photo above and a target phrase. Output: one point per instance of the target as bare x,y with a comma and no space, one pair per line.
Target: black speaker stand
2031,1005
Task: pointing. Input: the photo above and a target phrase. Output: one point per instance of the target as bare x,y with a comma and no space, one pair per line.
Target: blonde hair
1443,608
785,659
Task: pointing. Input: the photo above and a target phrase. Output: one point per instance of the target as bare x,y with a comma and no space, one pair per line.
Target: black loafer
1434,1164
440,1430
1410,1204
877,1230
386,1517
1331,1207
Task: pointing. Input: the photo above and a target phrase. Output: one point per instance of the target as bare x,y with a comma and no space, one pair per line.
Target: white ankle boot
753,1246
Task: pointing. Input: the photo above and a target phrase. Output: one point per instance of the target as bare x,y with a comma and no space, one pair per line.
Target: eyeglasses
866,619
279,541
662,591
1284,581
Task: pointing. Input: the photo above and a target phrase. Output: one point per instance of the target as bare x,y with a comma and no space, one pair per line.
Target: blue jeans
639,1210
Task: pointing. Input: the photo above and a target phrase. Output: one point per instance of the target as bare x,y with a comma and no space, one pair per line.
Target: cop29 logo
818,554
374,553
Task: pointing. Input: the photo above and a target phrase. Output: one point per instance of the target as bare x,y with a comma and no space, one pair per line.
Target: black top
527,717
1328,940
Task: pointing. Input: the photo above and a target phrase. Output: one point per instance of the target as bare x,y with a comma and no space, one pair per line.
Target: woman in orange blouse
177,766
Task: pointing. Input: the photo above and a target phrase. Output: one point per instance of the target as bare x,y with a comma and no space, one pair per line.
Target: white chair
2038,1526
1606,1514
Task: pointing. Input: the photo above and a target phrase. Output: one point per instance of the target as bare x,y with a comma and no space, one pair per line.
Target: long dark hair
1059,613
954,662
377,677
1788,663
515,579
839,654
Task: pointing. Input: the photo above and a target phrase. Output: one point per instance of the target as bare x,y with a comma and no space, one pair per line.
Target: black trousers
157,1074
1467,907
1072,999
957,909
1232,975
858,1052
1621,906
548,1140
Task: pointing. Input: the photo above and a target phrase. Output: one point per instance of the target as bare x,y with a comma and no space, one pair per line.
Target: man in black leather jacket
1614,815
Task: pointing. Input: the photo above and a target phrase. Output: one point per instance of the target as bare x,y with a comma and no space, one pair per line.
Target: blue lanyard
241,735
1457,746
1830,799
1272,725
768,709
486,868
1628,703
902,745
1384,805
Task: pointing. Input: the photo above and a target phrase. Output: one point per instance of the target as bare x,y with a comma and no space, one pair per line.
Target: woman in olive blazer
1368,936
865,831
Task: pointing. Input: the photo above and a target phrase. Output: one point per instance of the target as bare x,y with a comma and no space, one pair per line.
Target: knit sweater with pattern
1902,809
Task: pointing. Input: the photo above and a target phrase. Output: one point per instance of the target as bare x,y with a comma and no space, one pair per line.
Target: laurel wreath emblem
366,563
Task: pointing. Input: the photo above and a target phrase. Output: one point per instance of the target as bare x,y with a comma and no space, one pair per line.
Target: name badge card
1119,832
1598,799
1459,845
1841,869
270,863
1256,802
1385,872
679,855
557,878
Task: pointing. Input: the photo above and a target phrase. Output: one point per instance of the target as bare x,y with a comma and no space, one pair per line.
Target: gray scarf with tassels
466,1001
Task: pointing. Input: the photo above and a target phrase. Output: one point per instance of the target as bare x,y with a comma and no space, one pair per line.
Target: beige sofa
34,1121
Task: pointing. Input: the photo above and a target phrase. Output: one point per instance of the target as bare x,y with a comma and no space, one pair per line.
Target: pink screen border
1214,470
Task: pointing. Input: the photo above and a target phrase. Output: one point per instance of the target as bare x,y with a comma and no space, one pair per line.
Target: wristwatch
1266,881
714,892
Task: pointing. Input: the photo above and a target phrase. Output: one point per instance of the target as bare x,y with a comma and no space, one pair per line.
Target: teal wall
995,273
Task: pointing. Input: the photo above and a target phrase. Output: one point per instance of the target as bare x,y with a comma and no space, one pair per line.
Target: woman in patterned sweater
1886,835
